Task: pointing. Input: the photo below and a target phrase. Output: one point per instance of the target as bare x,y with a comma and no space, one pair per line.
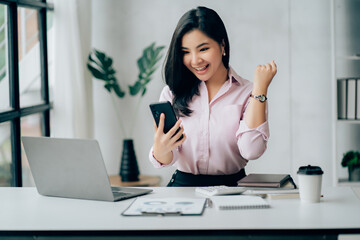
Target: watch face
261,98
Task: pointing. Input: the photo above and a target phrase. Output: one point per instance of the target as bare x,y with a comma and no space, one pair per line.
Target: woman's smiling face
202,55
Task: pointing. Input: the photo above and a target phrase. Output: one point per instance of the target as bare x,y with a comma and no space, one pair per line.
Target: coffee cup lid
310,170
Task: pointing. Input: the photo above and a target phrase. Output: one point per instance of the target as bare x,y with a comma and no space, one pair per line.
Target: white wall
296,34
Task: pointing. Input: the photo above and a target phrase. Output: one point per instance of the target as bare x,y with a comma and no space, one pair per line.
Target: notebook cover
264,180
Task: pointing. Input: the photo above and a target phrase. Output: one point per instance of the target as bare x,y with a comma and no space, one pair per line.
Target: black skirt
183,179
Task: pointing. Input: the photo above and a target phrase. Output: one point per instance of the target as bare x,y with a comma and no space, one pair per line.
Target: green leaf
145,81
151,52
140,76
158,58
96,72
158,50
119,92
135,89
100,66
146,62
151,72
108,87
149,48
108,62
98,58
141,66
147,66
351,159
113,86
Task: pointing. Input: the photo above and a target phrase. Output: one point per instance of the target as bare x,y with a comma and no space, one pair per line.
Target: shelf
345,54
354,57
347,183
352,121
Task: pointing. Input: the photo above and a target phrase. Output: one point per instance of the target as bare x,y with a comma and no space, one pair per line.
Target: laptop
72,168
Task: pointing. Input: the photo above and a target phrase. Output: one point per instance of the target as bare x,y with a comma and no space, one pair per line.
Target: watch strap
262,98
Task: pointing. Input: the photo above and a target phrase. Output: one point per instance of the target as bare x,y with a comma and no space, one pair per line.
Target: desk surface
23,209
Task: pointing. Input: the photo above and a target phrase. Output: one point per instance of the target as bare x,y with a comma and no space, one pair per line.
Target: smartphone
170,117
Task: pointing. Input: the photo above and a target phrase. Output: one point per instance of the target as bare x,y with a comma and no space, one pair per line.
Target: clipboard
166,207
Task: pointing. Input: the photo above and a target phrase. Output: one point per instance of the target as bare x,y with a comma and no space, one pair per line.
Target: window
4,78
24,83
29,57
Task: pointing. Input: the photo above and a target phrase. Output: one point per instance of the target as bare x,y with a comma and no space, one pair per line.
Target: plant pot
129,170
354,174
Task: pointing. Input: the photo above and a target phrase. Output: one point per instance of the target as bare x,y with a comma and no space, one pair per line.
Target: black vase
129,170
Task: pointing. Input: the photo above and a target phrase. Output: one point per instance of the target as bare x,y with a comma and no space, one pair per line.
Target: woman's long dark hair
183,83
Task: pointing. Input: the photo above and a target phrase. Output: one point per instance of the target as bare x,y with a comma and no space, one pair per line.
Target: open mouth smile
202,68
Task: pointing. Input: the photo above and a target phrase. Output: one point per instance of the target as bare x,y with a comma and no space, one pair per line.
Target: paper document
273,194
166,206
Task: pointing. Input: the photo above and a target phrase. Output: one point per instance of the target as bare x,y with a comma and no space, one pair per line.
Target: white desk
26,213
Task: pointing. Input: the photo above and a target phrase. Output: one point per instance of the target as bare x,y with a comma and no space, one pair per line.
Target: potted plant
100,66
351,160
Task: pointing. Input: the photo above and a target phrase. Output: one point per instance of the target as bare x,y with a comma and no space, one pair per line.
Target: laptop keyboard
119,193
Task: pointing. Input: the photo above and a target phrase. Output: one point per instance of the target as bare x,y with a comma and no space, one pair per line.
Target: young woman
223,117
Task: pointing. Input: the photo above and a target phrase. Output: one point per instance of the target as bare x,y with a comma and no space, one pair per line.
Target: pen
175,213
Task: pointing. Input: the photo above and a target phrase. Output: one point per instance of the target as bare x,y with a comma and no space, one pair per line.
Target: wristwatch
262,98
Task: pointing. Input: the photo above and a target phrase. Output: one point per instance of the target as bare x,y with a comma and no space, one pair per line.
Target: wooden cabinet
144,181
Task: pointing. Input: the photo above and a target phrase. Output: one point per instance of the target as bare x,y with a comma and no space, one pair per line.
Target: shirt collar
234,77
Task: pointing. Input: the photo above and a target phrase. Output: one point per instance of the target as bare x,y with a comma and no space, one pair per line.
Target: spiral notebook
238,202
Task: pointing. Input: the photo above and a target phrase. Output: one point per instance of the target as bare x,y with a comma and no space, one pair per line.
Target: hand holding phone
170,117
164,144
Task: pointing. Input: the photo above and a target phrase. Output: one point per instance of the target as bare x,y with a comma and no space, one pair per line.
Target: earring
224,54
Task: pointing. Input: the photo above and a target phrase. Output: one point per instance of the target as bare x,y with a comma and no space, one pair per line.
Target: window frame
16,113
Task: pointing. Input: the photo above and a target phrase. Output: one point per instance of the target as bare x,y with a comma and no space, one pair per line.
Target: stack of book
348,98
272,186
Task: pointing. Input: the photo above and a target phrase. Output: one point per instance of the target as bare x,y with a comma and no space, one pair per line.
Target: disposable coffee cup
310,178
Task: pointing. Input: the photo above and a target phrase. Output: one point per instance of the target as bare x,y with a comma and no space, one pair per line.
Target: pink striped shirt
218,139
